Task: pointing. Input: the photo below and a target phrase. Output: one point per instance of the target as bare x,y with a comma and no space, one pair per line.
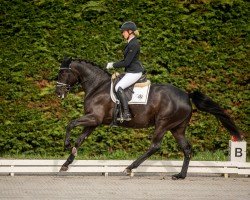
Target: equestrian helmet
128,26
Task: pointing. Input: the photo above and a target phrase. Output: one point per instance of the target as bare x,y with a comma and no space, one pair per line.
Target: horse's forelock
66,62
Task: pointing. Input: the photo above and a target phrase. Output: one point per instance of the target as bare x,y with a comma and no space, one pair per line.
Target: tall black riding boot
122,98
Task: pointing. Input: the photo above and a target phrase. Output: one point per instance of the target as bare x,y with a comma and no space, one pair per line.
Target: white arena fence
105,167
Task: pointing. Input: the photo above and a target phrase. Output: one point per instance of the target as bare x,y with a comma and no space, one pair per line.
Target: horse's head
66,78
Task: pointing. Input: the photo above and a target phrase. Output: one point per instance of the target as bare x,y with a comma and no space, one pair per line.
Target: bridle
68,86
60,84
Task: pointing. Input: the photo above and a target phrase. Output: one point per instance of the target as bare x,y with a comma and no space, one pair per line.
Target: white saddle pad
140,94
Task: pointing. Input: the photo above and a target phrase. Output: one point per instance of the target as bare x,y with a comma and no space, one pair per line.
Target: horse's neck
94,84
93,79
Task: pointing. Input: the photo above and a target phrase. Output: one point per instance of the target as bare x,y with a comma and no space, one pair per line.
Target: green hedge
192,44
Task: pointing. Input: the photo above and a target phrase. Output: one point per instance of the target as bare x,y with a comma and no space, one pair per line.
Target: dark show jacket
131,58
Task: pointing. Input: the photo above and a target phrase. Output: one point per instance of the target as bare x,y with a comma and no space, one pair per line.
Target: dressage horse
168,109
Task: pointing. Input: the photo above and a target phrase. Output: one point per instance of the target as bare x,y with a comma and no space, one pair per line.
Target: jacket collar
131,39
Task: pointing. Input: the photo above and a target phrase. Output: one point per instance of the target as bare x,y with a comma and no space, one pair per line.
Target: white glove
110,65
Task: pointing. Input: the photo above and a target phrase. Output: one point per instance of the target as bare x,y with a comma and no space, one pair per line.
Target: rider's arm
132,51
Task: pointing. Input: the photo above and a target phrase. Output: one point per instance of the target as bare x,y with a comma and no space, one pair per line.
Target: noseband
59,84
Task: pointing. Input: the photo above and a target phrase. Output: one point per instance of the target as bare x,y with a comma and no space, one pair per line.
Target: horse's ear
66,62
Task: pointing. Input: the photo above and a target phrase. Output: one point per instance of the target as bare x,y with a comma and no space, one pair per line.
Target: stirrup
127,117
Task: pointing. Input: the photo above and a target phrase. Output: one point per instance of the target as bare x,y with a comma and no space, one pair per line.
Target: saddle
133,93
116,77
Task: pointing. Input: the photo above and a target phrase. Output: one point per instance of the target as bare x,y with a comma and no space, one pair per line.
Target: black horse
168,109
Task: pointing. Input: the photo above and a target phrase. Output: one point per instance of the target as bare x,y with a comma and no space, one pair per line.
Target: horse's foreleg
70,126
90,122
179,135
156,144
141,159
69,160
86,132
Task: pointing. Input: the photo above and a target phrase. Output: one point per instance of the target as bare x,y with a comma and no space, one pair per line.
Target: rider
130,62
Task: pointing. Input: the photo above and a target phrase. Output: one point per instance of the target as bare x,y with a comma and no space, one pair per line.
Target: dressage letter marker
238,151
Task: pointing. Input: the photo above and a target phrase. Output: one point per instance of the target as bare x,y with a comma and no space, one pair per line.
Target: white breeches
127,80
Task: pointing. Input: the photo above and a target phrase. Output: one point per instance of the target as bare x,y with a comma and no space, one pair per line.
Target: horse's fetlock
187,153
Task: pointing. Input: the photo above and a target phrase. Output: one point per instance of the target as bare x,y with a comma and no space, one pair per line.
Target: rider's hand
110,65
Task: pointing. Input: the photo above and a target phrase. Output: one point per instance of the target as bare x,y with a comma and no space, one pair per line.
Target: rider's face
125,34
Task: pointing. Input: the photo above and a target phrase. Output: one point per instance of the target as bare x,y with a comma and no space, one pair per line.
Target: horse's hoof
178,176
64,169
127,172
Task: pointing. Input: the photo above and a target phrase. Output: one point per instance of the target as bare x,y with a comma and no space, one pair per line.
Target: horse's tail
204,103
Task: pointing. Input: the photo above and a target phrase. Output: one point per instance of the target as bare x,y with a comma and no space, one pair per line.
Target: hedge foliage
192,44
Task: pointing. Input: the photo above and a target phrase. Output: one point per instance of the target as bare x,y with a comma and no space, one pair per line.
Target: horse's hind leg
179,134
156,144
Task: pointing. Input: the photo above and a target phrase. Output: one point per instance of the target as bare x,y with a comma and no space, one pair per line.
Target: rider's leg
126,81
122,98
